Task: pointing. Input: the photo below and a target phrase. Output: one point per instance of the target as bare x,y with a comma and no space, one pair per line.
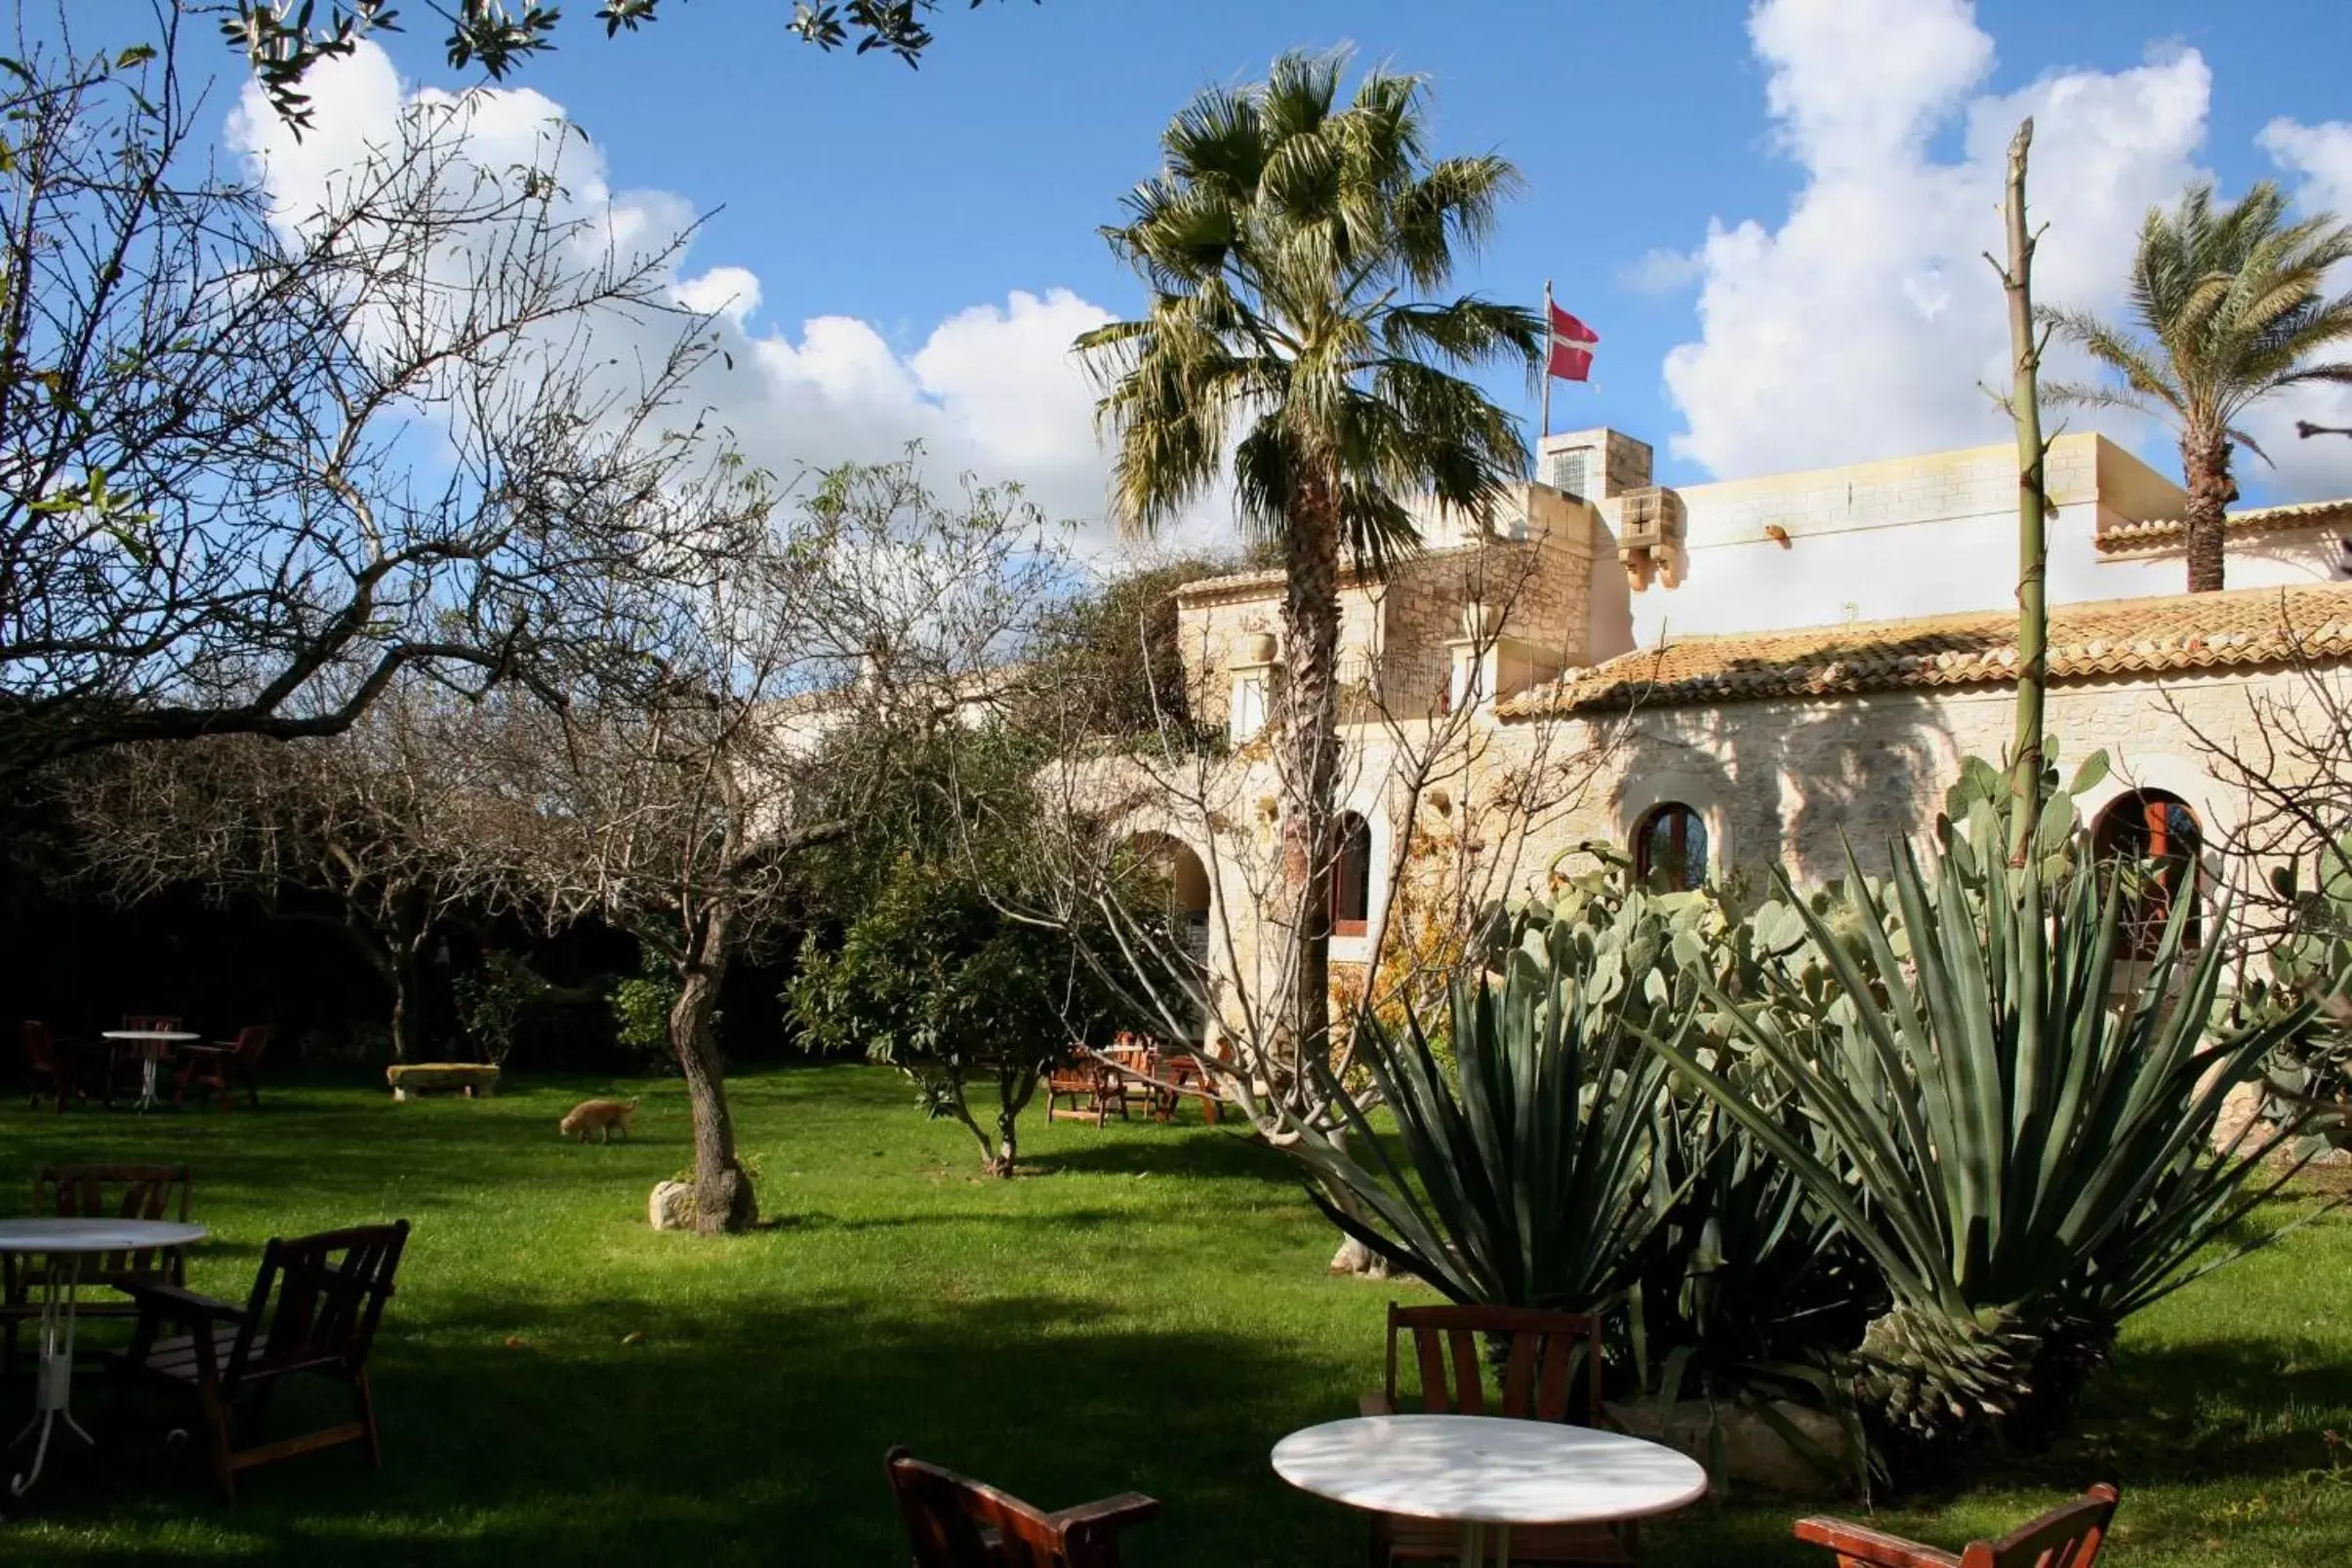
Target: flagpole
1546,371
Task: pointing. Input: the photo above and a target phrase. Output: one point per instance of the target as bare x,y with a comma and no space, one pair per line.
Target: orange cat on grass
599,1116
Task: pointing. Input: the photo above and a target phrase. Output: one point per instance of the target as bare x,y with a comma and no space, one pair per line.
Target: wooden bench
412,1080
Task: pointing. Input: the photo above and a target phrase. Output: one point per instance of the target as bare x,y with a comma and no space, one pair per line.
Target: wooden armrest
178,1302
1859,1542
1374,1404
1110,1515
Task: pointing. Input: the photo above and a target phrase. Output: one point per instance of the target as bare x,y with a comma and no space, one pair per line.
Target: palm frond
1288,242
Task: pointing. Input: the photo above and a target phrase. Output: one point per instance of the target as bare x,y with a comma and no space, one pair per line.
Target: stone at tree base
411,1080
1753,1454
671,1206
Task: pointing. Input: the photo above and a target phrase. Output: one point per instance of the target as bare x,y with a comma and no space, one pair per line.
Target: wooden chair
89,1193
67,1070
313,1309
2067,1537
1550,1371
209,1069
1137,1067
1088,1079
954,1522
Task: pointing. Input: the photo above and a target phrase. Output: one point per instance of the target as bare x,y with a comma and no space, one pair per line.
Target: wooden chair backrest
954,1521
162,1023
328,1293
1552,1370
2066,1537
40,1053
115,1192
252,1040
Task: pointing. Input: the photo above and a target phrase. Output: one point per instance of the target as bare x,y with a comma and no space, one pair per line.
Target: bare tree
256,462
368,821
1464,802
2288,762
675,798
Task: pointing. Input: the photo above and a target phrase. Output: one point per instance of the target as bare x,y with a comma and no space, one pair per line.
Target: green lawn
1147,1308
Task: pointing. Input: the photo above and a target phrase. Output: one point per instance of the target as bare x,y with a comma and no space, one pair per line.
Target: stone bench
411,1080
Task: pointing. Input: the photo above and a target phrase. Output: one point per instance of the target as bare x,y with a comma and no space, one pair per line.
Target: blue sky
856,188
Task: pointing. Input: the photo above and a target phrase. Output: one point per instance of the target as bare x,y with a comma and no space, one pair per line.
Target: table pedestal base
1474,1543
147,1083
54,1374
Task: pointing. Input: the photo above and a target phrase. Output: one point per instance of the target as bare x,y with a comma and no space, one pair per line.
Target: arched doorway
1186,882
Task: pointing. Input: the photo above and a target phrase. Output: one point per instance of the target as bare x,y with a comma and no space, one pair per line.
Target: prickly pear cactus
1980,811
2308,1083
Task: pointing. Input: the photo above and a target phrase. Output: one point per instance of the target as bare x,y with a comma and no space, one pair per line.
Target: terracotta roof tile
2174,633
2158,532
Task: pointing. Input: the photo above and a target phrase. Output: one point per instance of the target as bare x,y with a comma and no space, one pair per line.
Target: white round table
65,1243
151,1043
1483,1470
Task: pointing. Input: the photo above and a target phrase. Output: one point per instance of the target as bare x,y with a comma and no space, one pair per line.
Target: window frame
1351,842
2148,910
1686,817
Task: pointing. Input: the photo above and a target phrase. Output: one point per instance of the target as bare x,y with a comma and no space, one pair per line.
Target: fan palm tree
2228,308
1289,243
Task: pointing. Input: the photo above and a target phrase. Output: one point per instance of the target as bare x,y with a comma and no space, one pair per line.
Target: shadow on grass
1200,1154
755,1437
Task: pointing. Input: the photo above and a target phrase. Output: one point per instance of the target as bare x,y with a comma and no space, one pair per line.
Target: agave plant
2023,1157
1524,1176
1757,1288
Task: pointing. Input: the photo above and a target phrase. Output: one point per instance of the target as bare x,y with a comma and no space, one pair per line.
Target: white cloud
1663,271
2320,158
1862,326
993,391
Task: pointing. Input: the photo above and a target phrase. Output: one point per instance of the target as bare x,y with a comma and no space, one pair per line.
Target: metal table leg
54,1376
146,1080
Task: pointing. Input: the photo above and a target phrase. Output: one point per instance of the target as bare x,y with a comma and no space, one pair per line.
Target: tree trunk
724,1200
1311,745
1014,1086
2204,464
1008,1138
408,992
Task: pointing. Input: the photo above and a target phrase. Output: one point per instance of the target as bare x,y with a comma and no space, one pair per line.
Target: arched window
2154,836
1350,875
1669,849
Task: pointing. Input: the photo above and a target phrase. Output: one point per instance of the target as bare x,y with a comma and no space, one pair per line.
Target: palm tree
2228,308
1288,243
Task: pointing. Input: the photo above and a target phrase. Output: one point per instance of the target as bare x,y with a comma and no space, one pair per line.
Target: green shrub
931,978
640,1006
497,1002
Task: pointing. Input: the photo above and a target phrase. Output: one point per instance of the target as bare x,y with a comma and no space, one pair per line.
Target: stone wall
1396,636
1789,784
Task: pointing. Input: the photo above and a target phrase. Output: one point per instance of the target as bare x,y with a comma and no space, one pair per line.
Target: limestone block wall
1395,634
1782,785
1789,784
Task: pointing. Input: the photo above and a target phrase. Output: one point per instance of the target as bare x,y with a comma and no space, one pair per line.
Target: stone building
1738,677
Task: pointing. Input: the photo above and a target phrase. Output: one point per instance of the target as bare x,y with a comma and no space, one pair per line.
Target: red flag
1572,353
